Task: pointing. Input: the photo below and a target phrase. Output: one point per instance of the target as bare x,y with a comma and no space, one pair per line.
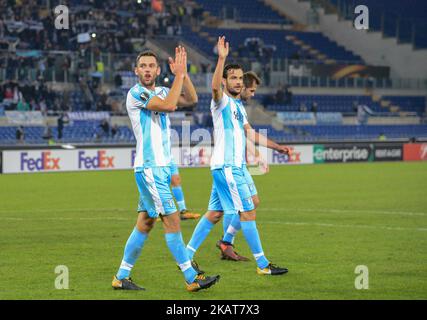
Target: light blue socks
199,235
177,247
252,238
132,252
231,225
179,197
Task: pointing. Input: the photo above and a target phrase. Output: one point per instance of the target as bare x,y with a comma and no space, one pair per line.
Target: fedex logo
188,158
100,161
284,158
45,162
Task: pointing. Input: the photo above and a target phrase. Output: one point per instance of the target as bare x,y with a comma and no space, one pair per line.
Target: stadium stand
79,132
291,133
333,103
32,25
405,22
49,71
243,11
282,43
356,132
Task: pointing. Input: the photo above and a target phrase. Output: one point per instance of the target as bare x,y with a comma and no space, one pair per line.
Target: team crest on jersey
238,116
144,96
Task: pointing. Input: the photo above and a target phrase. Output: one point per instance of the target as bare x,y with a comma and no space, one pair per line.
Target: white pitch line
326,210
67,219
403,213
287,210
328,225
72,210
331,225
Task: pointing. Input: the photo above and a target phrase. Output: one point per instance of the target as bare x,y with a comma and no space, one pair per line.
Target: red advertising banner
415,152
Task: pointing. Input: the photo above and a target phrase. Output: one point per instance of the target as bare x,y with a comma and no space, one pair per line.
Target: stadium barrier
108,158
377,151
343,153
391,152
25,118
415,152
310,118
116,158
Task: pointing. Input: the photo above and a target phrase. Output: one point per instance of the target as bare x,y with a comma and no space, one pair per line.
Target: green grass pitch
320,221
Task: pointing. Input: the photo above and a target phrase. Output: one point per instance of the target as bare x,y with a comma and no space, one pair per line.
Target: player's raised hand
172,65
184,57
223,47
172,62
179,65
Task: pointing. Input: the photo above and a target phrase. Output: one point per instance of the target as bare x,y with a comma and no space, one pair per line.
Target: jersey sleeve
215,105
140,97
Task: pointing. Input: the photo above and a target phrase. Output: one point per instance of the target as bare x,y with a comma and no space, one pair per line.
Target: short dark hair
249,78
231,66
147,53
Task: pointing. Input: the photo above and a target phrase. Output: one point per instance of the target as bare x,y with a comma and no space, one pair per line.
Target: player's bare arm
189,94
223,49
264,141
171,101
189,98
253,151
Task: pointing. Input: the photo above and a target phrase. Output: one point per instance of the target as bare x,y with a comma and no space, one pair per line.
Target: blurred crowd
27,96
37,96
283,96
34,52
95,27
115,24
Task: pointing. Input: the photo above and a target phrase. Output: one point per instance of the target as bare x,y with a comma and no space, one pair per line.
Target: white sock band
258,255
190,248
231,230
126,266
186,265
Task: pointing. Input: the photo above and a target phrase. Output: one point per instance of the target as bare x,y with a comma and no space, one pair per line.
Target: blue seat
405,22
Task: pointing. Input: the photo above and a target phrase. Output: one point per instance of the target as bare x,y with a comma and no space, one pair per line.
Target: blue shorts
174,168
250,181
154,190
230,191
